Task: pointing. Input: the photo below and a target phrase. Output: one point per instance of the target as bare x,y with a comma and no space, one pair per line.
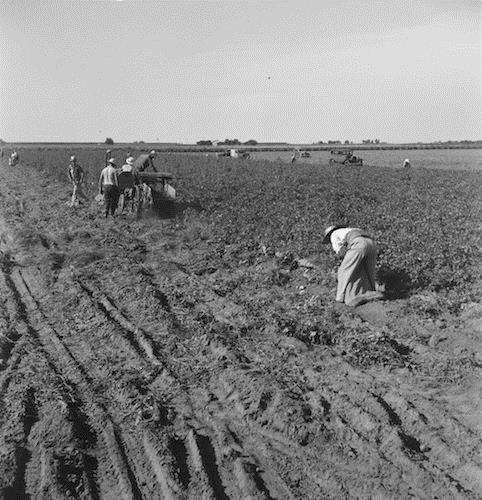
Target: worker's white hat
328,231
73,158
153,152
111,160
130,160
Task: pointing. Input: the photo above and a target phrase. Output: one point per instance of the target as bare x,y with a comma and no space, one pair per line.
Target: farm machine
145,189
345,157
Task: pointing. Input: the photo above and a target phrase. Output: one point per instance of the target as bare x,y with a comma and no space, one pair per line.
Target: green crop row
425,221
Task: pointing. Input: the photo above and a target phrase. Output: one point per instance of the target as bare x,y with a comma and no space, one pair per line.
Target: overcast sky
295,71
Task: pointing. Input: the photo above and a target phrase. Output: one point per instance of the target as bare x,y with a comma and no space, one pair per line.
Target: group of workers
113,181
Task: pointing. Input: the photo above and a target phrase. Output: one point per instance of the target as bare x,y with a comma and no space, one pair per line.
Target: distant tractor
345,157
236,153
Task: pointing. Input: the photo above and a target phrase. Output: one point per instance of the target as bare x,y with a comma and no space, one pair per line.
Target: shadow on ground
397,282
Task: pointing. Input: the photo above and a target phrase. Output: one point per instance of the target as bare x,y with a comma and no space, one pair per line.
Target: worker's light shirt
127,168
338,238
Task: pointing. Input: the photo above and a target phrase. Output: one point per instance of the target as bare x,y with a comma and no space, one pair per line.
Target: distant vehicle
305,154
236,153
233,153
345,157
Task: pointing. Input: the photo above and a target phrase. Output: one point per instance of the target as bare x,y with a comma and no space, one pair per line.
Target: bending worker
356,274
145,161
108,187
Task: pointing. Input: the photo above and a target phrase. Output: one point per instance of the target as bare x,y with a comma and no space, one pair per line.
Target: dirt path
136,366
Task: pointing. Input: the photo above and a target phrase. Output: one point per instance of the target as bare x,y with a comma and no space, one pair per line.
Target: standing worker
295,156
76,177
14,159
126,185
145,161
108,187
356,274
406,163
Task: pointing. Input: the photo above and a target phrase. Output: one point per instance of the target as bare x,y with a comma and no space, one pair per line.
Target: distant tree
2,141
251,142
204,143
232,142
347,142
109,141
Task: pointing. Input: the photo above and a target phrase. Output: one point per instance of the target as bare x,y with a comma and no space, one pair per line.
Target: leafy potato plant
425,221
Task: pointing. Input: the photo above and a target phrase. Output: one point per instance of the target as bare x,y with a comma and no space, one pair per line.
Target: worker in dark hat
108,186
145,161
356,274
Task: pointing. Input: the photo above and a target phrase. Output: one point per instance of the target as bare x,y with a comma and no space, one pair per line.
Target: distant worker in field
145,161
14,159
406,163
356,274
295,156
76,177
108,187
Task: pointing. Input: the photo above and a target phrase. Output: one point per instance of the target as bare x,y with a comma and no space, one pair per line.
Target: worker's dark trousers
111,198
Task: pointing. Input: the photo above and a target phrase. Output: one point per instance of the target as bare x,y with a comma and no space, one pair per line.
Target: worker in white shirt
356,274
108,187
128,165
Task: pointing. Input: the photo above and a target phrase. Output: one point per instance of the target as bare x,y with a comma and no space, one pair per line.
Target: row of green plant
425,221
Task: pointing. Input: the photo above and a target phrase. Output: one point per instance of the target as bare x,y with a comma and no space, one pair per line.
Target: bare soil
136,364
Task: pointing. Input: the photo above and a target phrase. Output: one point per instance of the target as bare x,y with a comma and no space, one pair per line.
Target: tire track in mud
202,450
411,448
74,381
138,338
208,475
359,404
244,474
369,424
28,417
349,413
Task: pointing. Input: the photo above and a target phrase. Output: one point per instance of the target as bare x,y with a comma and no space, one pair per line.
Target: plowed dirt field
132,367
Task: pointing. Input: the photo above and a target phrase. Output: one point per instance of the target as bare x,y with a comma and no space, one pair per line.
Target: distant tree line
227,142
